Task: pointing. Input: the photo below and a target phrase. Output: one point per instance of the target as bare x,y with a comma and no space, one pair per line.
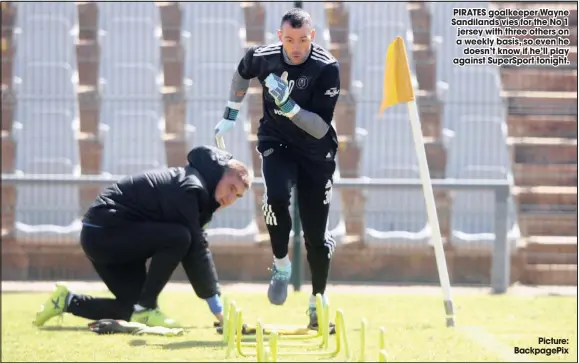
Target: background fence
93,89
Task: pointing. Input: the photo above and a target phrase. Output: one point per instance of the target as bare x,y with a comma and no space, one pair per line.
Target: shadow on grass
187,343
179,345
83,328
64,328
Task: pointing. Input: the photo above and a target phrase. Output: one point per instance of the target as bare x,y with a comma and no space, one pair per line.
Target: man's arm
240,84
198,262
202,274
317,121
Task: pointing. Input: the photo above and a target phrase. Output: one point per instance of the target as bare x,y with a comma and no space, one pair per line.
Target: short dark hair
240,170
296,18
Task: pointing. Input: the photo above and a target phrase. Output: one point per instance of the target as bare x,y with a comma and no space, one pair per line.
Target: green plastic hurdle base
283,335
280,337
270,353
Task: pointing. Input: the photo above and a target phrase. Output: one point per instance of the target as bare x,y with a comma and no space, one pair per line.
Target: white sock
139,308
282,262
325,300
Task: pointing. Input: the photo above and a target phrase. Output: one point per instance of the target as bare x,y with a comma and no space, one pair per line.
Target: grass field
488,328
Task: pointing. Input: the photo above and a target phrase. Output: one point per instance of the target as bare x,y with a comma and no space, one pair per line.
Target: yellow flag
397,85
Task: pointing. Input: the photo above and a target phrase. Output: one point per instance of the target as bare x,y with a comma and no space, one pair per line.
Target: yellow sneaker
54,306
154,317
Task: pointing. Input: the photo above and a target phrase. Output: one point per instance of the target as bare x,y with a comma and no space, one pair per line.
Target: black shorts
287,163
302,146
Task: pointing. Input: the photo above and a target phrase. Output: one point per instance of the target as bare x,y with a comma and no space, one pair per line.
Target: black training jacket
183,195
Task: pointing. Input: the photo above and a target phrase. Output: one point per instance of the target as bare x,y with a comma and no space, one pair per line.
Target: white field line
490,343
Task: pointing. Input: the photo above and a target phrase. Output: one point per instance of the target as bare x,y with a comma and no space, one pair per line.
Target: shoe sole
273,299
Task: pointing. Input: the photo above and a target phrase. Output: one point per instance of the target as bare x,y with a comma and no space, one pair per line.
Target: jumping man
297,144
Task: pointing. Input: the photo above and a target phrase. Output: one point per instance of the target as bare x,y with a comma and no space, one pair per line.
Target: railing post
297,244
501,258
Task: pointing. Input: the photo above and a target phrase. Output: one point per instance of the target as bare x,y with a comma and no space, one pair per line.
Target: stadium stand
208,69
130,73
93,88
318,13
273,14
177,134
542,124
43,125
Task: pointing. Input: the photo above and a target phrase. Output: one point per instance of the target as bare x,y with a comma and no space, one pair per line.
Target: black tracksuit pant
119,256
282,168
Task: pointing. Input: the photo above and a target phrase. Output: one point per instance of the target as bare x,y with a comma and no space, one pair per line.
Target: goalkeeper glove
112,326
278,88
227,122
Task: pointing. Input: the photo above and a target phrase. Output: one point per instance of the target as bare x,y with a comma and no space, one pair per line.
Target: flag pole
432,213
397,89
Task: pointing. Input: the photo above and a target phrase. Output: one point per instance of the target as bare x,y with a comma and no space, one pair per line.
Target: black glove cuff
230,114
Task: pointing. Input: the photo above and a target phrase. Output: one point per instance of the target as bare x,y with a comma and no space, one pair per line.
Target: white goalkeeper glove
278,88
226,123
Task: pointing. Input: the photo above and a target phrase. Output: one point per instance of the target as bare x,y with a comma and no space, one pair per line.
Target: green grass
414,328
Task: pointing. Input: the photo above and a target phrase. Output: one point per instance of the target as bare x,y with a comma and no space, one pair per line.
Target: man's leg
125,282
115,252
278,170
314,198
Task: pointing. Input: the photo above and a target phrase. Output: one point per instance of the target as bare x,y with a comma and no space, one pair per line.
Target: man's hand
221,129
278,88
219,317
226,123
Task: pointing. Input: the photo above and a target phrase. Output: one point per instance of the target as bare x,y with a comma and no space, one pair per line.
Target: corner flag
397,85
398,89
